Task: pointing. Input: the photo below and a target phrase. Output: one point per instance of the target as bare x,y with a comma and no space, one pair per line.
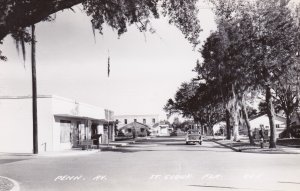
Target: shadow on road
132,150
227,187
5,161
164,144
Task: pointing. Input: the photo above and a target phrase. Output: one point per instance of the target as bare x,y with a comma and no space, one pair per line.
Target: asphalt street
165,163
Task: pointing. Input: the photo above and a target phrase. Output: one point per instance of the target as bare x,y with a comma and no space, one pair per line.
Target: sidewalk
64,153
7,184
244,146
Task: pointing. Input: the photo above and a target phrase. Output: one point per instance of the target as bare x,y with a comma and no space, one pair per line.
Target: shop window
65,131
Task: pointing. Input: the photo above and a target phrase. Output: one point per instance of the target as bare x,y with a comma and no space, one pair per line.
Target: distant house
161,129
262,121
133,129
219,128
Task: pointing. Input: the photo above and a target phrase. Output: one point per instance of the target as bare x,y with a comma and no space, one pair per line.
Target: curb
67,154
255,151
16,186
270,152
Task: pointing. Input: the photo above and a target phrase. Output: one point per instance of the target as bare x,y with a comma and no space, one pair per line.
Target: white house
262,121
161,130
62,123
219,127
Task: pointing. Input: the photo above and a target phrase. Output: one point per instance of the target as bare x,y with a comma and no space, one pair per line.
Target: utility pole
34,92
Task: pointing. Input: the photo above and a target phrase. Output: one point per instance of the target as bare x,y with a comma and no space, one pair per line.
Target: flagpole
108,71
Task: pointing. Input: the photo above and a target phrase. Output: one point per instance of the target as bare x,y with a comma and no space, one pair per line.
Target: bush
295,132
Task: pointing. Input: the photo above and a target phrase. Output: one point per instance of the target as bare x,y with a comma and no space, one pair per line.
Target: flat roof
146,115
52,96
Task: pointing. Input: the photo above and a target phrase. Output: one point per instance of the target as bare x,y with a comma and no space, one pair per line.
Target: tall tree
275,41
16,15
260,45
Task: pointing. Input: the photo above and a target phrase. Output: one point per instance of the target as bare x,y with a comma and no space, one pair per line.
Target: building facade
148,120
62,124
161,130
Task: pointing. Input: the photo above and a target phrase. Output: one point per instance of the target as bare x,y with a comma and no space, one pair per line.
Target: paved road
158,164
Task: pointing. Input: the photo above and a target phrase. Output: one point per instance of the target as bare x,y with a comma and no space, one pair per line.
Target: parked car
193,136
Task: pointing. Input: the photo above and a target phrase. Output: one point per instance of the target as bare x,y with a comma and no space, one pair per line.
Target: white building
219,127
62,123
161,130
262,121
148,120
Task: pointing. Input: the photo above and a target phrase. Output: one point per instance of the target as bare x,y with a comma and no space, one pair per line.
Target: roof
147,115
262,114
65,107
54,97
134,125
83,117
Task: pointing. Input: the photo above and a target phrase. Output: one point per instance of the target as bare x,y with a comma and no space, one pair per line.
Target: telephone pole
34,92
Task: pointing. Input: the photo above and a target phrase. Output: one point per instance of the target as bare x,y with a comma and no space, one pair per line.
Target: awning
81,117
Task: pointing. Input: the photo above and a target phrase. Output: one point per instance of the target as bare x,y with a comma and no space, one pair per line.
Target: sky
145,69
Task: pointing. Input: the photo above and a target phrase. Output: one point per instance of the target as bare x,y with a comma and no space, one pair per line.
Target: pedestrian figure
261,138
133,133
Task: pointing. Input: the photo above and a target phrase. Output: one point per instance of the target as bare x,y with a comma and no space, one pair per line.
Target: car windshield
193,132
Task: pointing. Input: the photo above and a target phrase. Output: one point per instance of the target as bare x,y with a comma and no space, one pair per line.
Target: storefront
62,124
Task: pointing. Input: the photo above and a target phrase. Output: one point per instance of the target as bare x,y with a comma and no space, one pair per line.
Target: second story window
144,121
134,120
153,120
125,121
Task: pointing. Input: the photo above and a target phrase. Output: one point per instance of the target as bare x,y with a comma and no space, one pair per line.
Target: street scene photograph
150,95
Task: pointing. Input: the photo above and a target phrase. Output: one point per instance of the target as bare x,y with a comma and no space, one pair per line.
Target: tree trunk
235,125
201,128
235,115
34,93
271,114
228,128
288,124
245,116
